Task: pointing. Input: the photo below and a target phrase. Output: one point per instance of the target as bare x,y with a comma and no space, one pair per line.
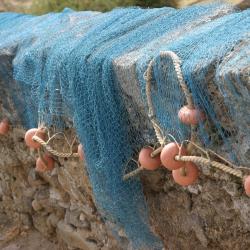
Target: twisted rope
132,173
151,112
207,162
177,66
51,150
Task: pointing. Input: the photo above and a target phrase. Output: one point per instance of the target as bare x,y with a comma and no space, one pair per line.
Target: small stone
194,189
26,228
75,237
63,204
82,217
36,206
52,220
34,180
23,234
11,247
26,221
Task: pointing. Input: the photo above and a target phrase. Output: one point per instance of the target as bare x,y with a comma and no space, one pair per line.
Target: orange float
190,116
4,127
80,152
247,185
47,164
147,161
30,133
168,154
187,175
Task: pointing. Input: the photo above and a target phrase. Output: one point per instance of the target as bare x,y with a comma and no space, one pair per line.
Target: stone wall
212,214
58,204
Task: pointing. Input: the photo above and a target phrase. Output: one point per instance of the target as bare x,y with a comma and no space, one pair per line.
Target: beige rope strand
208,162
156,152
151,111
133,173
177,66
51,150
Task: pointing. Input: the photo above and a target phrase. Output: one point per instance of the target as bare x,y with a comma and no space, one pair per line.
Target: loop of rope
190,104
51,150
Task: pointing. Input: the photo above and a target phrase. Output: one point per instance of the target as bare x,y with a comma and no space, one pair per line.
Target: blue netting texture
88,68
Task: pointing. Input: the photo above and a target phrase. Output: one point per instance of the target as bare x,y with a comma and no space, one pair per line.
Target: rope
51,150
177,66
132,173
156,152
151,112
207,162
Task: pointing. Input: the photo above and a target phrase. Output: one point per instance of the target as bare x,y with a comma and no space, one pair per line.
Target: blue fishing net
86,70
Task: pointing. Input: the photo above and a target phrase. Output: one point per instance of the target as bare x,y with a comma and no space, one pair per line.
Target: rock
11,247
53,219
73,218
26,221
40,223
76,237
33,178
57,195
82,217
50,178
36,206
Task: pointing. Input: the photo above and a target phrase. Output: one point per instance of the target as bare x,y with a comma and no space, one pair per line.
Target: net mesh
86,70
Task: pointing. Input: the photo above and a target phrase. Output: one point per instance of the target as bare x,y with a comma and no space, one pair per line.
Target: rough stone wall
58,204
212,214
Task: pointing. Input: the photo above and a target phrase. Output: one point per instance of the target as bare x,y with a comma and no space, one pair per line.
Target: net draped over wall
86,70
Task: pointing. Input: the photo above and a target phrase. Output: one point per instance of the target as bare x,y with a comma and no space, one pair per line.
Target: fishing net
87,70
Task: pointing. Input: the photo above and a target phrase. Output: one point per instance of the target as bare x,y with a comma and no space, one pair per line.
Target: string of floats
176,157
